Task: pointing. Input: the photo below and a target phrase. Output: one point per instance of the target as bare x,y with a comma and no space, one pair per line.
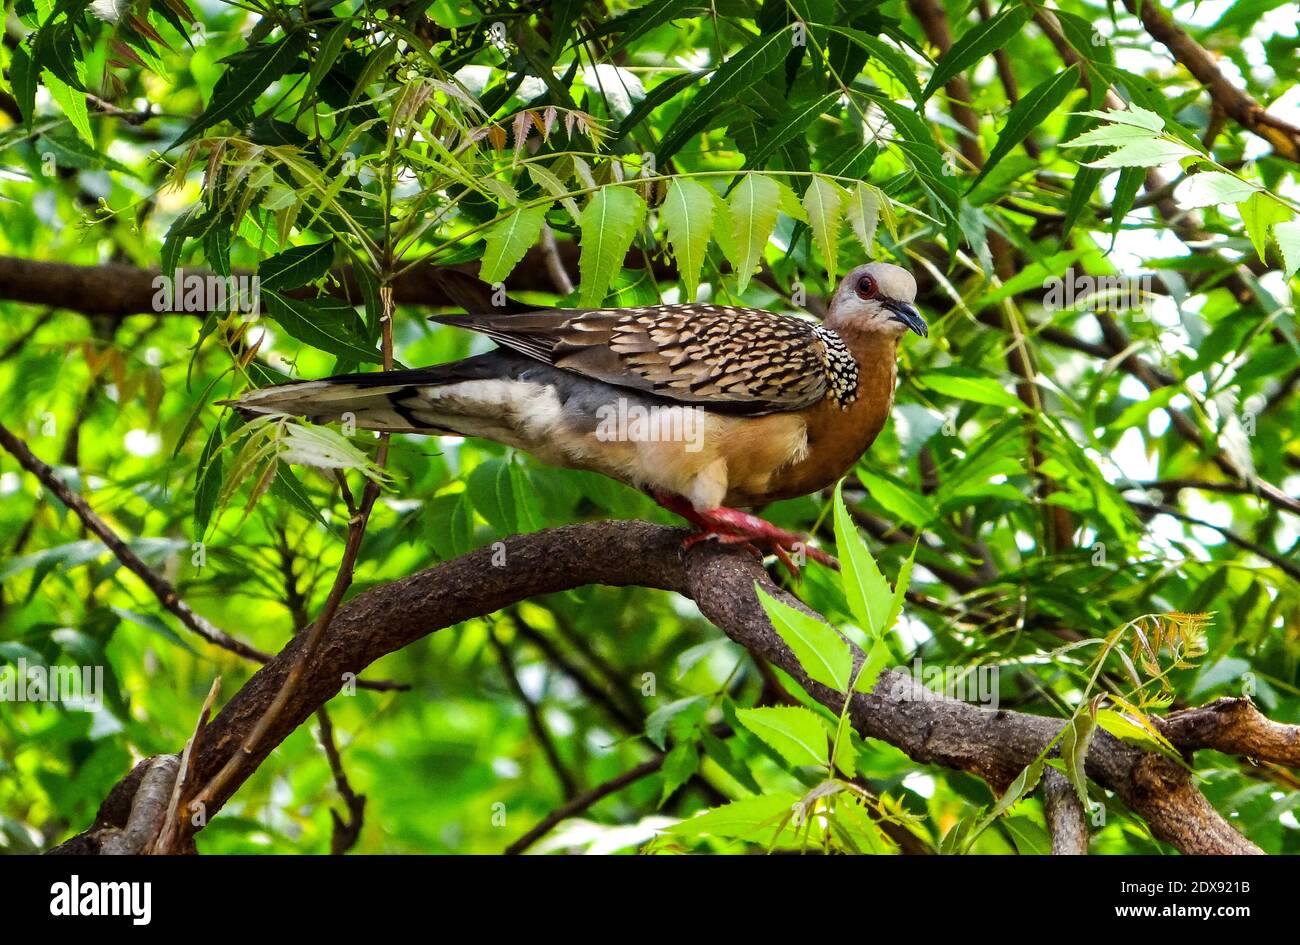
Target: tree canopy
1083,512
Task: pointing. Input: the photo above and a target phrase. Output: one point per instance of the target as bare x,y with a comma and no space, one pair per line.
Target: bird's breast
837,436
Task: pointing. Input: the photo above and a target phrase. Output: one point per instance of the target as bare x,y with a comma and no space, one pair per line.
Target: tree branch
1237,104
929,728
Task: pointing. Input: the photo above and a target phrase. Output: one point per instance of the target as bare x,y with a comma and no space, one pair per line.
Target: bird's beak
907,315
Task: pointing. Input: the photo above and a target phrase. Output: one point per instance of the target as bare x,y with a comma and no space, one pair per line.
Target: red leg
733,527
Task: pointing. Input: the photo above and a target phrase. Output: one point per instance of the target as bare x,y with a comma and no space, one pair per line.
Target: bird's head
877,299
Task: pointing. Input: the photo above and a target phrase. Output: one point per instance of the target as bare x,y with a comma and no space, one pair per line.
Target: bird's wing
740,360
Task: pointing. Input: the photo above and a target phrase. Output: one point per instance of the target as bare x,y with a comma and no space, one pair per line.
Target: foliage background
1036,449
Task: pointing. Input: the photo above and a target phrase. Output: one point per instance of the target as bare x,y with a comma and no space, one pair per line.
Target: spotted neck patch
841,368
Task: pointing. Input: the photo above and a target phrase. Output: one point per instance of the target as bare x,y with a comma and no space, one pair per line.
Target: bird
710,409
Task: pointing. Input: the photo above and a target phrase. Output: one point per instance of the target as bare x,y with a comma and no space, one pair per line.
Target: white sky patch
505,768
620,88
141,442
1134,247
921,783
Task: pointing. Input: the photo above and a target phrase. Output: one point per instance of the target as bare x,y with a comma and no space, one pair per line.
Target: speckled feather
735,360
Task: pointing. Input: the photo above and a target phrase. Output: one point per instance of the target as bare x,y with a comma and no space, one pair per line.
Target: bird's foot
734,527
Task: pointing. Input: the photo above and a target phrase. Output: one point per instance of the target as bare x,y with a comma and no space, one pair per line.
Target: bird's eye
866,288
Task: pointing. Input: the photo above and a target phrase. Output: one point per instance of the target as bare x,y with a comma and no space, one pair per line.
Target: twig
346,831
166,840
584,801
167,594
535,723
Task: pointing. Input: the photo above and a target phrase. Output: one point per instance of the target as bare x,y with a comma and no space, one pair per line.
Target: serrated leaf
873,665
1288,241
868,594
319,323
296,266
23,73
795,733
73,104
824,202
736,74
608,222
679,765
863,212
1210,188
509,240
753,818
964,384
1028,114
976,43
902,503
1260,213
1133,115
687,213
824,654
245,79
1150,152
1075,740
753,210
880,51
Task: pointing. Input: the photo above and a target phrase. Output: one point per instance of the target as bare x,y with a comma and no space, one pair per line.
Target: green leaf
761,57
330,48
245,79
1135,733
964,384
1075,740
449,525
73,104
609,222
868,594
509,240
753,209
677,717
1149,152
794,121
877,658
1133,116
320,323
863,212
1288,241
687,213
1028,114
296,266
880,51
23,73
901,502
976,43
824,654
1024,783
759,819
207,485
1210,188
679,765
797,734
824,201
1260,213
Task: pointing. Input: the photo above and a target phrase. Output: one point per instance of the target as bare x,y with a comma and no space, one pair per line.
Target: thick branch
1234,727
1064,815
929,728
1239,105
